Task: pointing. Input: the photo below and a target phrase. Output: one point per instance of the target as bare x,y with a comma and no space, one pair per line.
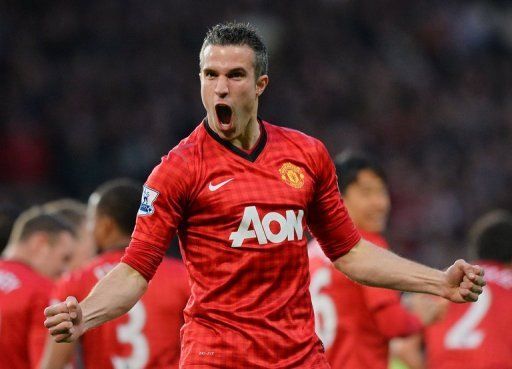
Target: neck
20,255
249,137
244,140
116,243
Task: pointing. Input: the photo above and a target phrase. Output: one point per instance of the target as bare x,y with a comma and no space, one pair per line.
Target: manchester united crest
292,175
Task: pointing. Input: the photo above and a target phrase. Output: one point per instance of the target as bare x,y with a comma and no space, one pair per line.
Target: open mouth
224,115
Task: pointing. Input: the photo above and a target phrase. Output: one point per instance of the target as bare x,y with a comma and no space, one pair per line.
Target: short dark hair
490,238
349,164
72,210
233,33
36,220
120,200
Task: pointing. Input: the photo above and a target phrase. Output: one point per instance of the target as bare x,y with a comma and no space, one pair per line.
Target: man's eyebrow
209,70
237,70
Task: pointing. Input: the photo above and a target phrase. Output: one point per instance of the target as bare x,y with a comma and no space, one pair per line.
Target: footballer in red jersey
148,335
356,322
240,192
39,247
478,336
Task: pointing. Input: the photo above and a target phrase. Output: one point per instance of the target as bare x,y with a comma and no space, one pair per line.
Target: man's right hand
64,320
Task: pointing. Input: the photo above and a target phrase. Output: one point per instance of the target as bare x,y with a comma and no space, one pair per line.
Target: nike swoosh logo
213,187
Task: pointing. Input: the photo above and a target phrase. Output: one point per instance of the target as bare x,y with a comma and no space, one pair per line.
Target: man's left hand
464,282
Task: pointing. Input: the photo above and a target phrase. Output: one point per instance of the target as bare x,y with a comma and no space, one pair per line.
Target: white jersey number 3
463,334
326,316
131,333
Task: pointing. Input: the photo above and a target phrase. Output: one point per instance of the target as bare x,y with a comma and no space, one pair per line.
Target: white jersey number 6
326,317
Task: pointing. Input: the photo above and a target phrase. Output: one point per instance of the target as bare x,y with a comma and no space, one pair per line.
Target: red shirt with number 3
148,335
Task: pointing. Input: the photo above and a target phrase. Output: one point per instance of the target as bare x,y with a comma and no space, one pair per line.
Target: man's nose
221,88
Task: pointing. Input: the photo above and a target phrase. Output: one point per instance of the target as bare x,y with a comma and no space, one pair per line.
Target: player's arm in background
371,265
408,350
36,332
393,319
57,356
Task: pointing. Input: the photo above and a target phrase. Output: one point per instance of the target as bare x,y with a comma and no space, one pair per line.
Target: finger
467,295
61,307
62,328
473,271
479,280
479,270
62,338
476,289
56,319
72,304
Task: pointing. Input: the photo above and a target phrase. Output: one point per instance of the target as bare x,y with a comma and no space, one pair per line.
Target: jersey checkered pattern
477,335
148,335
241,220
354,321
24,294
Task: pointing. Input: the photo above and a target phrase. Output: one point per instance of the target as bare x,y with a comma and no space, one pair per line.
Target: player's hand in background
429,309
64,320
464,282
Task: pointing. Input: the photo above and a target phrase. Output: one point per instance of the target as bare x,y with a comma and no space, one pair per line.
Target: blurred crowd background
97,89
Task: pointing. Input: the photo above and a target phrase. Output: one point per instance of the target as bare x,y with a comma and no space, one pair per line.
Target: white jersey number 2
131,333
463,334
326,317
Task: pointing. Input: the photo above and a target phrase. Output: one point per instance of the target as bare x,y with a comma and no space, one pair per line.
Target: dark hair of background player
490,238
120,200
349,164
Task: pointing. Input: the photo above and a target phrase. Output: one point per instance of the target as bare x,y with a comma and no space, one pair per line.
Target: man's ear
104,225
261,84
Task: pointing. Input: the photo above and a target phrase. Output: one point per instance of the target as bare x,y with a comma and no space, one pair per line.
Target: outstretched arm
114,295
371,265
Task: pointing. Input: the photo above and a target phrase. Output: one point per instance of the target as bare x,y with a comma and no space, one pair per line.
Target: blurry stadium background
92,90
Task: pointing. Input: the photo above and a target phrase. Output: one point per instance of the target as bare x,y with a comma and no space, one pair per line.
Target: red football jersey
147,337
477,335
355,322
24,294
241,221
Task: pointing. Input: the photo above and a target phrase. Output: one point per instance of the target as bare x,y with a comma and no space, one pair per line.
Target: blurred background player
148,335
39,248
477,336
75,213
356,322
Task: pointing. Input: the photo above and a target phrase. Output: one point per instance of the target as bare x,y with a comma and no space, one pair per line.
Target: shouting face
230,92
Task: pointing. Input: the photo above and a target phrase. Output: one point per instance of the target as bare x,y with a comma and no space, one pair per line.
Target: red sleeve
37,331
164,199
328,218
392,319
143,257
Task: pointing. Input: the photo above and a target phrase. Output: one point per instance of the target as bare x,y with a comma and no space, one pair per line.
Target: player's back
148,335
344,314
478,335
24,294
